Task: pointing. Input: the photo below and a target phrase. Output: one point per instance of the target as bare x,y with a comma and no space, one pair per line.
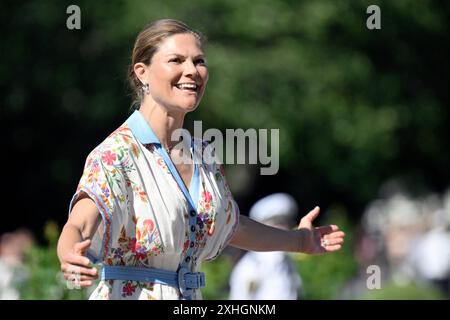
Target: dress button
187,259
192,213
193,228
192,244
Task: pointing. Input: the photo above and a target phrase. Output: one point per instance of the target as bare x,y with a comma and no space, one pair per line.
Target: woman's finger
77,259
74,269
71,276
333,248
86,283
333,235
330,242
81,247
81,284
312,215
323,230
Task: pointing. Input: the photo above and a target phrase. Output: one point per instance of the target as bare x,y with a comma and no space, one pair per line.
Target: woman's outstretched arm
255,236
75,240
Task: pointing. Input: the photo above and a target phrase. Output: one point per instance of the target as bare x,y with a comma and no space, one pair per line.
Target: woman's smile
188,87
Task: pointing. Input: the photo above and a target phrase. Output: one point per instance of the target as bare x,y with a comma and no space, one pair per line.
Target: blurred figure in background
268,275
405,224
409,240
13,246
431,258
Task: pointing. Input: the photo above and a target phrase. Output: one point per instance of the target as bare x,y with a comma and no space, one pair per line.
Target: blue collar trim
141,129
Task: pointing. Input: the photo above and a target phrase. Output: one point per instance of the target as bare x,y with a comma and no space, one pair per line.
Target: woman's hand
76,266
317,240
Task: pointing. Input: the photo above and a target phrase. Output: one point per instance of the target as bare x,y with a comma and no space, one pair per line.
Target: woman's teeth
187,86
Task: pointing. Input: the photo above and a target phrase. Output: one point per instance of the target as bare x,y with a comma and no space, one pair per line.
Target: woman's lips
188,90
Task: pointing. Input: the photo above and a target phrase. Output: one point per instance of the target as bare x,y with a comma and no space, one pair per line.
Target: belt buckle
196,280
182,282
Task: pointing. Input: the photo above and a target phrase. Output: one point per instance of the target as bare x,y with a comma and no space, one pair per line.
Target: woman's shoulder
115,146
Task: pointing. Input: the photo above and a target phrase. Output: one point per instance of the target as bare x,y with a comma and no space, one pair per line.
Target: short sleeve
231,216
103,183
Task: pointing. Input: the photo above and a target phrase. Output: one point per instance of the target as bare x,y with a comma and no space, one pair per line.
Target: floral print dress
145,213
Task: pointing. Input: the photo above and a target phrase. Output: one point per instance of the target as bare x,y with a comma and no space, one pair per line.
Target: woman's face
178,74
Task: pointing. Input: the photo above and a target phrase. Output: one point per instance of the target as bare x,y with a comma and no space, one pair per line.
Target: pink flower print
149,224
206,196
108,157
128,289
155,249
222,171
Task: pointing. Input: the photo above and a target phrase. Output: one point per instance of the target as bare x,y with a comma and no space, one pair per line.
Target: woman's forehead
181,44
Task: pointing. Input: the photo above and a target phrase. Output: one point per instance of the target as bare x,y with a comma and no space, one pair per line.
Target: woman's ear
140,69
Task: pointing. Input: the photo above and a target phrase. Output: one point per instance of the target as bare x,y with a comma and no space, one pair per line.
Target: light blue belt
183,279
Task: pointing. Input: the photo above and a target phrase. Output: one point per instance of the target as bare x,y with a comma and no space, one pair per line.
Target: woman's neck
162,122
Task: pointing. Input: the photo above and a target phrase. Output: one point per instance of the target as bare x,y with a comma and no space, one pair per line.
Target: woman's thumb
313,214
81,247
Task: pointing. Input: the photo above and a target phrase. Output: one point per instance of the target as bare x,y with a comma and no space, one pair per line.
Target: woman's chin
188,106
183,105
191,108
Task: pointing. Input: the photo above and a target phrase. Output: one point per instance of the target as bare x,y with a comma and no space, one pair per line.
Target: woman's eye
176,60
200,61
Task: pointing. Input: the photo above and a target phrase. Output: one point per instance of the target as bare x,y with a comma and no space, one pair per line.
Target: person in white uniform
268,275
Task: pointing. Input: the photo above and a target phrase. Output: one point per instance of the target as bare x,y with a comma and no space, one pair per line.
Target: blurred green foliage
217,274
404,292
44,280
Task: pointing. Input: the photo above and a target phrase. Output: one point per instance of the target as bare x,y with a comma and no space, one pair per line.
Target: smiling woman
146,215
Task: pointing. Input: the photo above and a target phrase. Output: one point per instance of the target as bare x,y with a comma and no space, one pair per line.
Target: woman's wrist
296,243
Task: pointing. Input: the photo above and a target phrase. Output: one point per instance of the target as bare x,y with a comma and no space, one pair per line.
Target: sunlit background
363,119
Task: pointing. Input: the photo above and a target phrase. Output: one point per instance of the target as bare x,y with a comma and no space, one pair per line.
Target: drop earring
146,88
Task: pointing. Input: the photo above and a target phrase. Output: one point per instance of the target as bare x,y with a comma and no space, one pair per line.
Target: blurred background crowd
363,118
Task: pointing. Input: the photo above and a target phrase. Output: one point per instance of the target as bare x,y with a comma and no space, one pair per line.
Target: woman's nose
190,68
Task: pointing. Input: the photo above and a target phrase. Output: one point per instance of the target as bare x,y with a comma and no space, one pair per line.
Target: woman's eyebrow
201,55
